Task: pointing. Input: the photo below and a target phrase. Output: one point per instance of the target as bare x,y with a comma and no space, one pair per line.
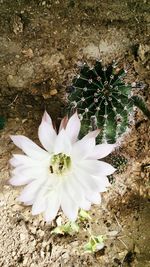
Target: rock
53,92
28,53
15,81
22,237
50,61
17,25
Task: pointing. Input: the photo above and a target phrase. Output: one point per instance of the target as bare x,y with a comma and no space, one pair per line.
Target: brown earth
42,43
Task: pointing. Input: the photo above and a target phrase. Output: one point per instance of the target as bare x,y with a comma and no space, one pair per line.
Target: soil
42,45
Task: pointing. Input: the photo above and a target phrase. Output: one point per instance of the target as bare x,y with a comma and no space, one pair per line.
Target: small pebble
53,92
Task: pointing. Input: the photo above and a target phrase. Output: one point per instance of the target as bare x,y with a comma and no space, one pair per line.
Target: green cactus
103,100
2,123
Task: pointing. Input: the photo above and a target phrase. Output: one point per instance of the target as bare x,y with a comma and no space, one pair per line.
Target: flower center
60,163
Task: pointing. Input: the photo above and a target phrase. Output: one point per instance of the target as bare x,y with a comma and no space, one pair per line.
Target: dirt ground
42,44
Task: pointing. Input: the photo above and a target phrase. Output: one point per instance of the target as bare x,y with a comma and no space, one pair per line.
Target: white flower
65,174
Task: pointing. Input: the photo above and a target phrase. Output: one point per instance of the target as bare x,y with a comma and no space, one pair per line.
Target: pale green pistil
60,163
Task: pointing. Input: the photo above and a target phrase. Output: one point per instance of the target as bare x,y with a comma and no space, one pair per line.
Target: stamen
60,163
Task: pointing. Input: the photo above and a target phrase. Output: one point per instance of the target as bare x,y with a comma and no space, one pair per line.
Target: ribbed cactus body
102,99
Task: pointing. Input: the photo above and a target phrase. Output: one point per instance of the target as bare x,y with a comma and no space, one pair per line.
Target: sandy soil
42,43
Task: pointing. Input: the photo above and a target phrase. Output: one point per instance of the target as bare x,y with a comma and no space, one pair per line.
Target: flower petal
20,180
86,180
73,127
40,202
82,147
102,183
63,123
47,135
29,147
62,143
86,204
92,134
29,193
68,205
90,186
101,151
18,160
105,168
46,118
75,191
96,167
33,172
52,206
94,198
